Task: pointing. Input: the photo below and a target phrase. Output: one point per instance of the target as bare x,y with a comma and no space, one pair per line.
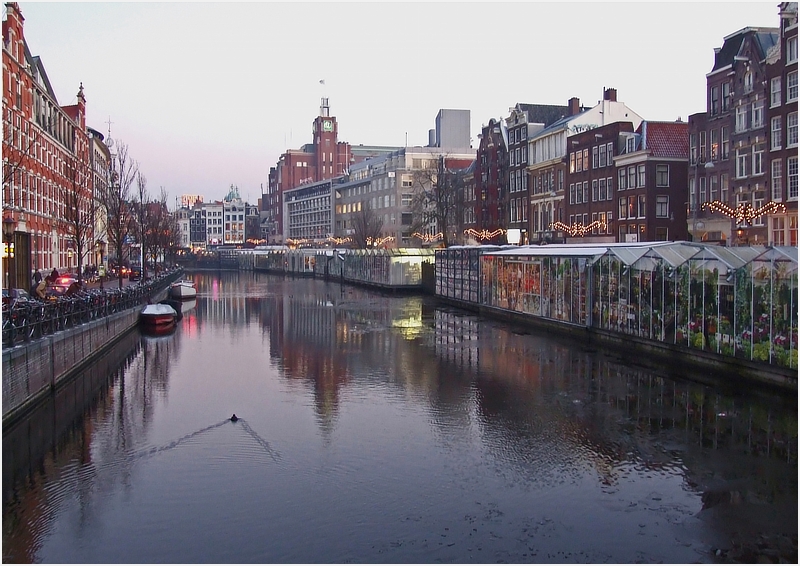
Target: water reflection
421,417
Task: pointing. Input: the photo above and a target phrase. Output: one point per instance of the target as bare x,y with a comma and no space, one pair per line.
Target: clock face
327,126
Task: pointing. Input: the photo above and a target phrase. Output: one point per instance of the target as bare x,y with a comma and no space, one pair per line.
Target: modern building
452,130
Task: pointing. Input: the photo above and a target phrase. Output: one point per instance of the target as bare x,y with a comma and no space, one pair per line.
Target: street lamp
9,227
101,268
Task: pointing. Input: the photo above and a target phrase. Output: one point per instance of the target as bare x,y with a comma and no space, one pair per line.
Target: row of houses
571,173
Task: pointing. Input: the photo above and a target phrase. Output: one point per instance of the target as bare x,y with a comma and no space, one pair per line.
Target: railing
25,320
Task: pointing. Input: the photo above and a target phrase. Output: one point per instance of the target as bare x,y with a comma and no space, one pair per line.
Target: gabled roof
666,139
764,38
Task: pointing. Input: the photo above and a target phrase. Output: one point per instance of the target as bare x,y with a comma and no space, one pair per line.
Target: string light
484,234
375,242
427,237
744,213
578,229
339,241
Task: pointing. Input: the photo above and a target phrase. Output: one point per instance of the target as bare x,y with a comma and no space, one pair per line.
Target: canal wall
32,371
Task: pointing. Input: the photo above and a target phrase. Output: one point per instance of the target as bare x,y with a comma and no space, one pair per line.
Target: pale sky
207,95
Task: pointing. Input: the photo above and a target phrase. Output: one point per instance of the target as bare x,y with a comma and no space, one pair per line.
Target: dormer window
630,144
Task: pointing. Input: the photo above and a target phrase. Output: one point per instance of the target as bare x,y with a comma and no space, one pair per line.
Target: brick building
782,123
42,142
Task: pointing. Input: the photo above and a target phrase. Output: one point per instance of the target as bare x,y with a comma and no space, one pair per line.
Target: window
602,160
741,118
775,92
703,153
631,177
791,129
775,129
791,50
726,96
603,193
586,191
586,159
572,162
662,175
595,157
758,160
758,114
702,181
610,153
622,179
778,238
641,176
572,193
791,173
693,148
776,175
595,190
726,142
630,144
642,208
723,187
406,199
714,100
623,207
748,82
791,87
741,164
662,206
609,218
714,145
713,188
631,206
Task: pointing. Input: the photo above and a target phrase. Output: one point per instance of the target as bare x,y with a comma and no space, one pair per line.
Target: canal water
388,428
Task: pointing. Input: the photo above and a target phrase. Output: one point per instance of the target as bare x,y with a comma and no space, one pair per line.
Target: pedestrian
54,274
41,290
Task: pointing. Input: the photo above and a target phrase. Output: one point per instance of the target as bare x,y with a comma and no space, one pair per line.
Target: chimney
610,94
574,106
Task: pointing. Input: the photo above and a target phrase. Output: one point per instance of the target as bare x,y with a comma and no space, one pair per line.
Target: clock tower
325,143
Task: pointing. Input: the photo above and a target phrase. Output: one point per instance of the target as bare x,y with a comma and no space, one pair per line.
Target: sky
206,95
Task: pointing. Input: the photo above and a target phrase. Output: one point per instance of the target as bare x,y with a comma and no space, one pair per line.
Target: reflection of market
329,336
557,406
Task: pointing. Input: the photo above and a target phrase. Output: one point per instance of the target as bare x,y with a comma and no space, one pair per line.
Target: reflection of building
41,139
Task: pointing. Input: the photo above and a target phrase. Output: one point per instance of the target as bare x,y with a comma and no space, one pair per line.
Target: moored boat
158,317
182,290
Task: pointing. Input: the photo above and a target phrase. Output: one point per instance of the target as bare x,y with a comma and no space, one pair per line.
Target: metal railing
29,319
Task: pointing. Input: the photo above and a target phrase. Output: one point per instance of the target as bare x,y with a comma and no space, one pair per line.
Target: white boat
158,317
182,290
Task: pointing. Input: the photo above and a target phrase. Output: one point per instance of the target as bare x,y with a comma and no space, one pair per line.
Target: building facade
42,143
782,123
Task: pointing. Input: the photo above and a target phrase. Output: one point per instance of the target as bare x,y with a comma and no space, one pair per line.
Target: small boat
182,290
158,317
175,304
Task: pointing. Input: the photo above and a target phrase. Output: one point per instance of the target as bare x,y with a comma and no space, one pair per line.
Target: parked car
62,285
11,294
135,273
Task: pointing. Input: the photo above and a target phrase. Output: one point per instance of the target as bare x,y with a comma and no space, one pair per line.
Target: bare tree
367,226
157,224
79,210
436,199
140,201
116,201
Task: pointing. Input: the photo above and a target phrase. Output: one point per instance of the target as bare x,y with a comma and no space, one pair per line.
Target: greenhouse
732,301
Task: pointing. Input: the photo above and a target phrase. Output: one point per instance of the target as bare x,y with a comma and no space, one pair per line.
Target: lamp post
101,268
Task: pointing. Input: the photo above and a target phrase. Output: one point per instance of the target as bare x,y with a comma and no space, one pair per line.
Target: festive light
578,229
744,213
484,234
427,237
339,241
375,242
